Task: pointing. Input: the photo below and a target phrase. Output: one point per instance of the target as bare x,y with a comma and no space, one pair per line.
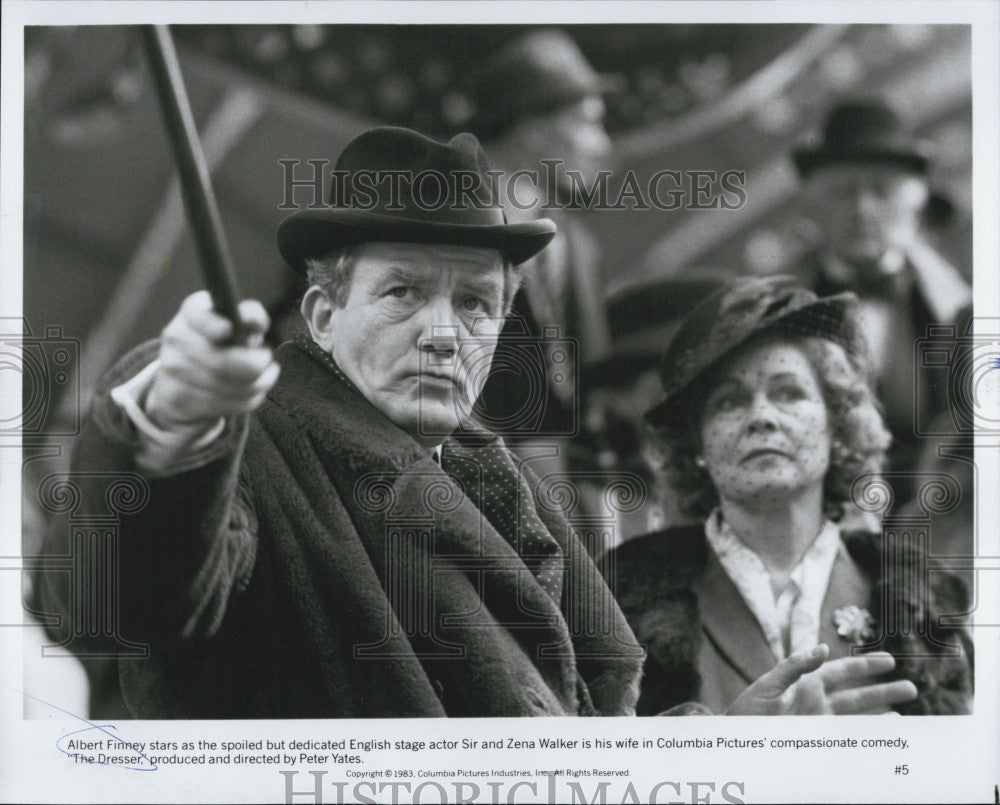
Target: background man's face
574,134
579,129
867,209
418,331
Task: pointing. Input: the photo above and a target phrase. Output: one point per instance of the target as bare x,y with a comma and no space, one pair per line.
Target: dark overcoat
316,562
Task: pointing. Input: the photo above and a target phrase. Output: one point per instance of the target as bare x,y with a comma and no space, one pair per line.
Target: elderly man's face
867,210
417,332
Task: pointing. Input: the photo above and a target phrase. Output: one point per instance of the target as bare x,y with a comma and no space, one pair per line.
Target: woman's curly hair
858,436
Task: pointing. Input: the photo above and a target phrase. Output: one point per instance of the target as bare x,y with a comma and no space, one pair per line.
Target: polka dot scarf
494,484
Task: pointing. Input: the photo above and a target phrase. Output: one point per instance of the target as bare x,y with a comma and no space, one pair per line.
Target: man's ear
318,312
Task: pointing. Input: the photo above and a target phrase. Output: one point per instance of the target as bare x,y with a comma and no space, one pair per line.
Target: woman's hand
804,684
852,685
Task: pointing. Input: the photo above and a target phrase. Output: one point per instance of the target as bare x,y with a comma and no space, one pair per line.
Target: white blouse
790,621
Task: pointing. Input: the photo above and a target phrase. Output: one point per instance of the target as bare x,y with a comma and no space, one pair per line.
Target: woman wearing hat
768,420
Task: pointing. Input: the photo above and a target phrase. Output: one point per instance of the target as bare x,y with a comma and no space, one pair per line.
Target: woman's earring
699,462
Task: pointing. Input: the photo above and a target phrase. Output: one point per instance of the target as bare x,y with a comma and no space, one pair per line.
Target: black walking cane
196,185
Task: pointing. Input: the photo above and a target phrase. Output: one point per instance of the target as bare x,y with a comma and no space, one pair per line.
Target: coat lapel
732,628
847,586
729,624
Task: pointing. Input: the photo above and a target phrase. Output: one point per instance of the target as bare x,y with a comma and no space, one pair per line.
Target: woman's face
764,426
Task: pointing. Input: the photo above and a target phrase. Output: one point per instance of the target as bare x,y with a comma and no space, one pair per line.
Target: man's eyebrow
403,272
781,375
483,284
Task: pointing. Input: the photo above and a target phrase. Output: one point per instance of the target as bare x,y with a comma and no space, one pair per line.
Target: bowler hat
870,131
396,185
537,72
865,131
733,314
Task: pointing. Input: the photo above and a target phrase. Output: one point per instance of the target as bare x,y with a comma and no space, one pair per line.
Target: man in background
868,186
540,111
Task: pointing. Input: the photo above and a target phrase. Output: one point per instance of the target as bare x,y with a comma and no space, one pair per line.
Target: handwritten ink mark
106,729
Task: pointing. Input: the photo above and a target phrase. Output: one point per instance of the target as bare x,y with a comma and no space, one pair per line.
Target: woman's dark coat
704,644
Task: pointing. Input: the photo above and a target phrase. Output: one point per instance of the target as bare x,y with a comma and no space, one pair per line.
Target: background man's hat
736,312
537,72
865,131
869,131
420,199
643,317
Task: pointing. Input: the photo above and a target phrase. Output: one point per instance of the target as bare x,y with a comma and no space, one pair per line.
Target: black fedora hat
536,72
396,185
736,312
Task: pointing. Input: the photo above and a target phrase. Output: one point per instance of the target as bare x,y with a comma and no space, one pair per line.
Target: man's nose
598,141
867,202
441,340
439,328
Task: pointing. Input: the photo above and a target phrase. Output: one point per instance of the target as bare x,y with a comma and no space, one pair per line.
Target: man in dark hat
868,185
540,110
325,532
316,543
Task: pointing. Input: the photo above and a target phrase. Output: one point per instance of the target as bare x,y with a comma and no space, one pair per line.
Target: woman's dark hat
733,314
396,185
538,72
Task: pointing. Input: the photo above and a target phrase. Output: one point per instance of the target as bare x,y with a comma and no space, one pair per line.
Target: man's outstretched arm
174,412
